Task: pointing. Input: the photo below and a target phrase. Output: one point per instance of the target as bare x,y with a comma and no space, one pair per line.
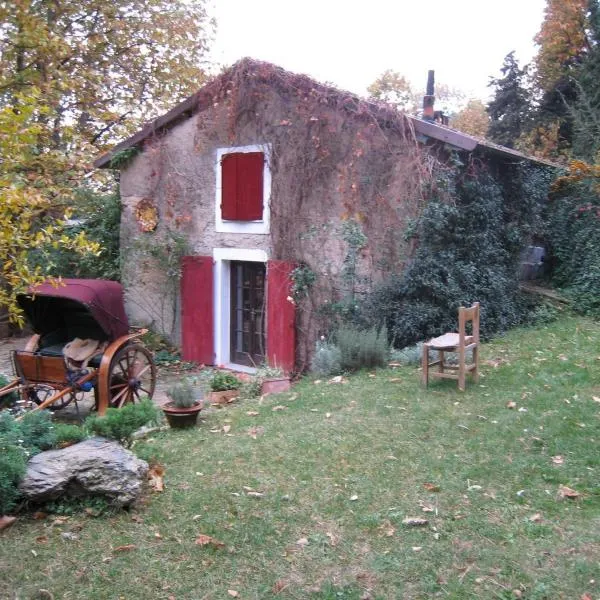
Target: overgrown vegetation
121,423
574,226
469,238
19,441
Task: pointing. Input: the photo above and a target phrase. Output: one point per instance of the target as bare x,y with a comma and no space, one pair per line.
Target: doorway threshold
240,368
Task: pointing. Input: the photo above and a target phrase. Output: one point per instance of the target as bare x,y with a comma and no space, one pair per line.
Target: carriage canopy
85,308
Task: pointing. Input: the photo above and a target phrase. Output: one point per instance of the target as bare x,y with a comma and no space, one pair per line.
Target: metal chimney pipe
429,98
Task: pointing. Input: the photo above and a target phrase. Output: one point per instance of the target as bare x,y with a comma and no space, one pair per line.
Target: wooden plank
281,316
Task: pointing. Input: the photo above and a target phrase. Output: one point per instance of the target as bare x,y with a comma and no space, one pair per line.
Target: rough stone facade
329,168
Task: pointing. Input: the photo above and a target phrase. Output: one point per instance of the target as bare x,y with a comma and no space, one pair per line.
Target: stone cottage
255,207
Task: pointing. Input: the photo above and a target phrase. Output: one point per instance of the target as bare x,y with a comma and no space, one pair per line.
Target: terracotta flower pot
223,396
180,418
275,385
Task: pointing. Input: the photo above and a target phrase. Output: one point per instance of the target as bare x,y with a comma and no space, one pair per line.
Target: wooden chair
460,343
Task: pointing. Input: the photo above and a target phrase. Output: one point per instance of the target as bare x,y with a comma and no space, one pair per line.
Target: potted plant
273,380
185,402
224,387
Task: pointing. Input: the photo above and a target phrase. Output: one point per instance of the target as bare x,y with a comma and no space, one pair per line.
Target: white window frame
222,300
263,225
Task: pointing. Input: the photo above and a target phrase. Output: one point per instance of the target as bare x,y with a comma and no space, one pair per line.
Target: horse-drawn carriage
81,342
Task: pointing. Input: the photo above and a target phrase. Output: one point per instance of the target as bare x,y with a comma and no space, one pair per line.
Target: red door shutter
242,186
250,186
197,320
229,190
281,313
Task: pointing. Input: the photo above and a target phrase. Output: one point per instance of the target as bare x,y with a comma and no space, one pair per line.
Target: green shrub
184,393
121,423
66,433
469,237
12,468
222,382
37,431
362,348
8,399
19,441
574,231
327,359
409,356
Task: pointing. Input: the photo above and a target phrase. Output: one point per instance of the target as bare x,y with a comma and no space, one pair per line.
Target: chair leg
476,361
441,355
461,370
425,365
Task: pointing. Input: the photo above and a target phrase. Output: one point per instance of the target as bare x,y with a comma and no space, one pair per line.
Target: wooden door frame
222,301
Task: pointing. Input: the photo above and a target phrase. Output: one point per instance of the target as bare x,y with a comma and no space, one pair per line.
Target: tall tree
74,76
102,67
509,109
562,40
472,119
585,111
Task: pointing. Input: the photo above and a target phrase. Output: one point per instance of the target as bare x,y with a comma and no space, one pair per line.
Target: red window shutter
281,316
229,190
242,186
197,319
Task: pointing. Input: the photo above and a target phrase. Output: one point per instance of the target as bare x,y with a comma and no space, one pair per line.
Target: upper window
242,191
243,188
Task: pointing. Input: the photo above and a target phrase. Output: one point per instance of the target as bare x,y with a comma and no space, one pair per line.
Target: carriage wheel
132,375
40,393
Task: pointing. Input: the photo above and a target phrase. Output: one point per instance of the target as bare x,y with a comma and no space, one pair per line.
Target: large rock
94,467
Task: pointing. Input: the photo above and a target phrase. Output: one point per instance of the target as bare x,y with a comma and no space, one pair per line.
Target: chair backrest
466,315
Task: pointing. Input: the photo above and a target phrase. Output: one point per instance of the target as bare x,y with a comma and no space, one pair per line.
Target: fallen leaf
255,494
595,399
536,518
67,535
395,379
417,548
279,407
278,586
414,522
39,515
302,542
317,381
333,539
157,535
226,428
252,413
562,357
558,460
353,497
338,379
511,404
431,487
60,520
328,415
156,480
254,432
125,548
567,492
207,540
372,375
427,508
137,519
233,593
42,539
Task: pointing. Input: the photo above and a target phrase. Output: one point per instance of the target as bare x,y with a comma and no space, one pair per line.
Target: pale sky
351,43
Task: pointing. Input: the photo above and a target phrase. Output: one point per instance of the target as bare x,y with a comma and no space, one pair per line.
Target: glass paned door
247,313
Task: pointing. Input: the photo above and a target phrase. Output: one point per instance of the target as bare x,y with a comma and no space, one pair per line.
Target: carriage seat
57,350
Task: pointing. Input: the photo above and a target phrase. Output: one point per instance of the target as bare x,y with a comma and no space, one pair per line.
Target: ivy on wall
469,239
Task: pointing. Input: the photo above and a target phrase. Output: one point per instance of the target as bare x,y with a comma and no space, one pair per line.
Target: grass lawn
339,467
